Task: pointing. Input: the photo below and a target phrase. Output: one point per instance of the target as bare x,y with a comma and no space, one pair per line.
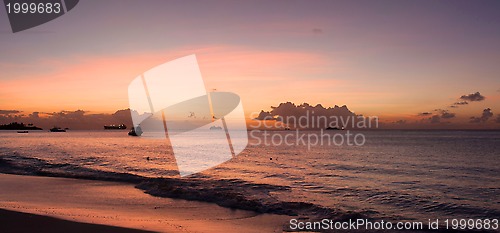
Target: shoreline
194,189
117,204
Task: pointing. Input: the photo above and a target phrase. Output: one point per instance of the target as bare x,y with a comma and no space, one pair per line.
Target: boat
215,127
57,129
122,126
214,118
25,131
334,128
135,131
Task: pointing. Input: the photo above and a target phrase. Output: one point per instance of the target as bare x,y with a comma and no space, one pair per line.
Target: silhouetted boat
135,131
25,131
122,126
334,128
57,129
215,128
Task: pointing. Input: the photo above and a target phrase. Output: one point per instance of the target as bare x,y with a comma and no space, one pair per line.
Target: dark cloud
7,112
400,122
441,114
290,109
473,97
303,115
34,115
425,114
265,116
447,115
435,119
453,106
317,30
461,102
498,119
487,114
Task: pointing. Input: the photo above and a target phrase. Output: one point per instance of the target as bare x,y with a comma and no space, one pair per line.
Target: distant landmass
76,120
19,126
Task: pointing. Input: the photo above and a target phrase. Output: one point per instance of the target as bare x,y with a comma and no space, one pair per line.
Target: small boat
122,126
25,131
334,128
57,129
215,128
135,131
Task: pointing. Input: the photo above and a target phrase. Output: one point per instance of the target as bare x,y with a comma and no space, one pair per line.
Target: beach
71,205
22,222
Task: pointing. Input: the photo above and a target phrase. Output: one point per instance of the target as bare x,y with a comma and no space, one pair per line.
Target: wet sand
69,203
21,222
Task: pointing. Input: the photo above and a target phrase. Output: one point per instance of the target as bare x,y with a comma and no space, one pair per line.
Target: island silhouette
19,126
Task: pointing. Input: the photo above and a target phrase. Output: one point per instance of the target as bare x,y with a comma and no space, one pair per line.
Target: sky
404,61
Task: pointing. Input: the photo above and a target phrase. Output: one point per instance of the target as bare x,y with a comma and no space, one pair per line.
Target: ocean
394,175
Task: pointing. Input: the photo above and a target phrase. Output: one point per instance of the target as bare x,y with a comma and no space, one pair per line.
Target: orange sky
394,66
261,78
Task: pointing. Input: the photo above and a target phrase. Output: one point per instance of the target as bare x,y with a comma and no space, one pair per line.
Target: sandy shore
22,222
116,204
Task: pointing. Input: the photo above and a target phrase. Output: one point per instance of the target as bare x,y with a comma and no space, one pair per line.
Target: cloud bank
487,114
8,112
308,116
473,97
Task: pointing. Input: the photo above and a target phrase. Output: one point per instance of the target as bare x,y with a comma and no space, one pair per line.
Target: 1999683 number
33,8
479,224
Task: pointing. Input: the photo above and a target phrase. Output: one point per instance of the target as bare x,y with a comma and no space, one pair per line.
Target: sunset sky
394,59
